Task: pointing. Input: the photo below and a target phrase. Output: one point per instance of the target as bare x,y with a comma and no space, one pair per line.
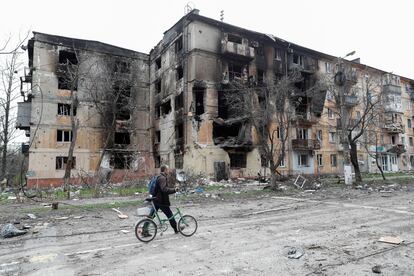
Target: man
162,198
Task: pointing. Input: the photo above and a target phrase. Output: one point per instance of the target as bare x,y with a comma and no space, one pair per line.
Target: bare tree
269,109
359,110
9,69
372,141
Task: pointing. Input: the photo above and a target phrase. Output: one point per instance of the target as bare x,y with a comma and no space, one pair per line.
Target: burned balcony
232,134
23,115
303,119
305,144
302,63
236,47
396,149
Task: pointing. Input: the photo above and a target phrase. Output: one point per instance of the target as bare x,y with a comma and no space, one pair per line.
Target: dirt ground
243,233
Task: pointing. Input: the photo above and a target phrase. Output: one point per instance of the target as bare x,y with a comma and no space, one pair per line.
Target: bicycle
146,229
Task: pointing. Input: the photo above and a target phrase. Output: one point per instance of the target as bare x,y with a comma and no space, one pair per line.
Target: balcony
392,89
394,128
236,50
278,67
23,115
351,100
305,144
397,149
303,120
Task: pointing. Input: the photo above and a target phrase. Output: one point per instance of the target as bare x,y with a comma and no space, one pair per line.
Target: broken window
158,86
234,38
157,161
157,111
121,160
320,160
302,160
122,138
179,102
198,94
302,133
393,139
179,161
122,94
278,54
333,160
157,136
179,44
122,67
67,57
298,59
158,64
65,82
62,162
166,108
64,110
237,160
64,135
237,71
180,72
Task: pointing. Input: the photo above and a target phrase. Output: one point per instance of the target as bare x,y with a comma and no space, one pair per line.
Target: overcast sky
381,32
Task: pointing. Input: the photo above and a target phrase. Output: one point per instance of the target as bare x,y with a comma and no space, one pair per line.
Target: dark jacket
162,191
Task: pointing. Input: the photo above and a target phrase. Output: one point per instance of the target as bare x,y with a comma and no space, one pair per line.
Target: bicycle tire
151,230
187,225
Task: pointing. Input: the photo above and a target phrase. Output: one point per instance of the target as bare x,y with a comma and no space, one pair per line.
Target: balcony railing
23,115
391,88
237,50
394,128
397,149
305,144
351,100
303,119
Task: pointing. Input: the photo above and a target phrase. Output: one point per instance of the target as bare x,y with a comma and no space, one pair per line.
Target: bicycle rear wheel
146,230
187,225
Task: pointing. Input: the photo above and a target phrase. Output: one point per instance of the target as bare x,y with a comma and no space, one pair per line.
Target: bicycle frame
161,220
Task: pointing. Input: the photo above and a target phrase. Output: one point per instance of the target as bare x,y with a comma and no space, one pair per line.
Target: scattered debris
199,190
62,218
31,216
120,214
392,240
9,231
300,181
376,269
11,197
26,226
295,253
125,231
55,205
78,217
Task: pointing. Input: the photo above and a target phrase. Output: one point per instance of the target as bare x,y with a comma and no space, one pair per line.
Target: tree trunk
354,160
379,166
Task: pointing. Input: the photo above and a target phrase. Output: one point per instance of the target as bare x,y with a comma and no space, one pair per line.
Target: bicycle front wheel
146,230
187,225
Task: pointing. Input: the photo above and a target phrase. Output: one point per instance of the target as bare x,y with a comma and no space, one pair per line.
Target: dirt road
238,237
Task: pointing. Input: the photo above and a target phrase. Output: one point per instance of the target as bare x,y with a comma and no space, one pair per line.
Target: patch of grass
210,188
129,191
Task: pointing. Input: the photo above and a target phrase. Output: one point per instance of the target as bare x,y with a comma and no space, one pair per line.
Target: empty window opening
122,95
393,139
157,136
121,160
298,59
179,102
122,138
179,161
222,105
180,72
237,160
64,135
67,57
158,63
122,67
260,77
333,160
237,71
62,162
166,107
66,82
303,160
278,54
158,86
157,111
157,161
234,38
64,109
179,44
199,100
179,131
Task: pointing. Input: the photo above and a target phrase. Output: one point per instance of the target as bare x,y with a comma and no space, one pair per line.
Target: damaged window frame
166,108
179,72
67,60
303,162
158,86
62,161
237,160
158,63
121,160
179,44
122,67
199,94
122,138
234,38
179,101
64,109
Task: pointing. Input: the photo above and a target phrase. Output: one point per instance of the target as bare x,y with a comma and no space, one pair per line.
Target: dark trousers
167,211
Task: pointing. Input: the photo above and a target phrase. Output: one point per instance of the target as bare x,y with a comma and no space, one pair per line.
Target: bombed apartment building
137,111
106,90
